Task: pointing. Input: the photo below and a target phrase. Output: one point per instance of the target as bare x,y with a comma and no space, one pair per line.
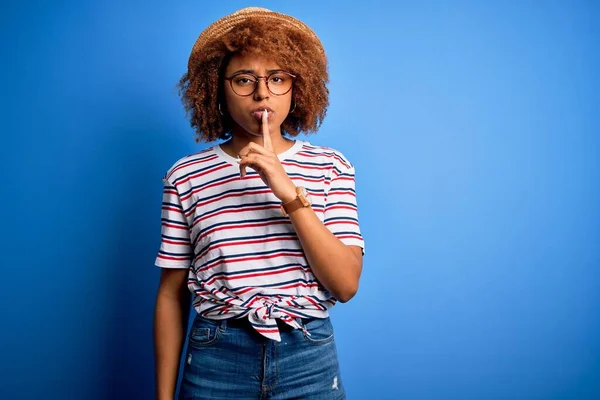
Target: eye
244,80
278,79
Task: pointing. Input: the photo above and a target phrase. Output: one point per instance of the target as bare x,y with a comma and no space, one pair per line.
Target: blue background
474,130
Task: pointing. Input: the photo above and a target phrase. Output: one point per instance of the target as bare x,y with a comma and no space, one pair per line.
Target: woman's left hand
264,161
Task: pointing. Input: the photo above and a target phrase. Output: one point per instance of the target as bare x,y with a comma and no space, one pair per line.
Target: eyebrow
251,71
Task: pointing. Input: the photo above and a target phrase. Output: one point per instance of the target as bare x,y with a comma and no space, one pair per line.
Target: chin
250,130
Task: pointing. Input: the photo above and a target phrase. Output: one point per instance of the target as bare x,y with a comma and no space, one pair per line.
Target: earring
220,112
292,110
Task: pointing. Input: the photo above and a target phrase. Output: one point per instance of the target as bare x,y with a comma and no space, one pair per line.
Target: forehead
251,62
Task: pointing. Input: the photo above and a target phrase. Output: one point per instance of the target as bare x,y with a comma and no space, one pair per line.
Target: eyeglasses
245,84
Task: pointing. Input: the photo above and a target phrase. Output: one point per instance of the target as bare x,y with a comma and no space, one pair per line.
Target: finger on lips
254,154
265,130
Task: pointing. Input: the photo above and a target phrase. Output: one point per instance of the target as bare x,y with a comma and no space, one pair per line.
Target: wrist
289,195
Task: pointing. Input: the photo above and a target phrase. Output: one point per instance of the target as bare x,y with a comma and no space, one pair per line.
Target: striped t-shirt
243,255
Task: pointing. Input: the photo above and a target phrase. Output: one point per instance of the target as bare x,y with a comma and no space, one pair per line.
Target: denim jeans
226,362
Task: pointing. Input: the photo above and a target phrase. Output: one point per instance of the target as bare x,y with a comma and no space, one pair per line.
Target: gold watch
302,200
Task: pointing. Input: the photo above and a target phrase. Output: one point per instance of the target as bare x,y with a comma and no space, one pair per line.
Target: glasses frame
266,78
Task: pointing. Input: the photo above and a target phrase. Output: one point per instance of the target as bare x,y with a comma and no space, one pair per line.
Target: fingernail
265,114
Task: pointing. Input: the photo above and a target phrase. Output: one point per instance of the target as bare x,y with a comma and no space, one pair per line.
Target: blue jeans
226,362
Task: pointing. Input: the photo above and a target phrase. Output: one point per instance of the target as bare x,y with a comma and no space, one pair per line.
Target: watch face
305,195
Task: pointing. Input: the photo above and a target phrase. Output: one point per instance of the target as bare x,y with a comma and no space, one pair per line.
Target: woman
262,229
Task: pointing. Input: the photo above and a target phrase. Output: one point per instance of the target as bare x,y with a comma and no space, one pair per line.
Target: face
246,111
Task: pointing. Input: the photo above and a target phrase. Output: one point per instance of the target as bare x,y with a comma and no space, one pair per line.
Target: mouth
257,113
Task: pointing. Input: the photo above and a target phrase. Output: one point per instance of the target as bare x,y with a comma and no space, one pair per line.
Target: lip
258,111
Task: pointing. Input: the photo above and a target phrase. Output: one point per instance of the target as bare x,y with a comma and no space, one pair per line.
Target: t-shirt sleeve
175,248
341,211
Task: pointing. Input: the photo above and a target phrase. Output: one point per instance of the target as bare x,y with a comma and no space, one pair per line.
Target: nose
262,91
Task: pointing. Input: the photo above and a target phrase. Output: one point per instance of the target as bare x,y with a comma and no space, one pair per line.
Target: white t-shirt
243,255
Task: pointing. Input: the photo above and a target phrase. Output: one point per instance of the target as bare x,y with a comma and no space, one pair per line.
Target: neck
241,139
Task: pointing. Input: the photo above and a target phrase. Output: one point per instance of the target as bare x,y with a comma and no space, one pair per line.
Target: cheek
235,106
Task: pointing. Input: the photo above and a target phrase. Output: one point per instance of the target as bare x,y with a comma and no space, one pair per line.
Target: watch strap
295,204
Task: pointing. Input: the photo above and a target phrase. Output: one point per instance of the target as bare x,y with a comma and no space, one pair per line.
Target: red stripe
342,207
247,242
349,237
180,258
342,222
183,243
234,195
199,174
214,157
174,226
218,183
232,278
274,330
341,192
313,302
214,264
298,285
296,164
177,210
242,291
246,226
304,179
238,210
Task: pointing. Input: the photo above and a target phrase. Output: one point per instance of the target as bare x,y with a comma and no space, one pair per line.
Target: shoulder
188,164
332,156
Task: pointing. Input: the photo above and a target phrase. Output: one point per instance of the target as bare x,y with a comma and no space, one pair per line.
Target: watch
302,200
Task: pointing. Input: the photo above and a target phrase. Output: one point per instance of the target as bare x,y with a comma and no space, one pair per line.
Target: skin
257,143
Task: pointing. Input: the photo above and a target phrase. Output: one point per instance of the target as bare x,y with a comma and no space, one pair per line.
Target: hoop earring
292,110
220,112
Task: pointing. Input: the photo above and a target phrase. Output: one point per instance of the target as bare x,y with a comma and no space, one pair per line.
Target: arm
336,265
170,326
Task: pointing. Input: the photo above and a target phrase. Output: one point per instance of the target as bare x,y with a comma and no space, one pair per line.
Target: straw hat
221,27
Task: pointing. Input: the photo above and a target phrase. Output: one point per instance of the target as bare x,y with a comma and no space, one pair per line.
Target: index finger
265,131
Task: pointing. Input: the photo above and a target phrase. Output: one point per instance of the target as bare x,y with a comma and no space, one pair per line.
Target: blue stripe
242,190
270,285
182,177
341,202
307,163
179,239
199,187
333,189
176,205
247,271
307,176
340,219
348,233
188,255
234,256
174,222
242,238
282,218
234,207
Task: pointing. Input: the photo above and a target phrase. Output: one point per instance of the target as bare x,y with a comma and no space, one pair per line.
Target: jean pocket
204,332
321,331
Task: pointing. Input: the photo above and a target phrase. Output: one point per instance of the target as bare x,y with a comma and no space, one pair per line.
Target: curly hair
201,88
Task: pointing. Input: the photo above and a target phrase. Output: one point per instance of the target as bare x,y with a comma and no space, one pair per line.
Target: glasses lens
280,83
243,84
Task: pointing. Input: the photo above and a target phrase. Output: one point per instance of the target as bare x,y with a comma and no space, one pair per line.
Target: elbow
346,295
